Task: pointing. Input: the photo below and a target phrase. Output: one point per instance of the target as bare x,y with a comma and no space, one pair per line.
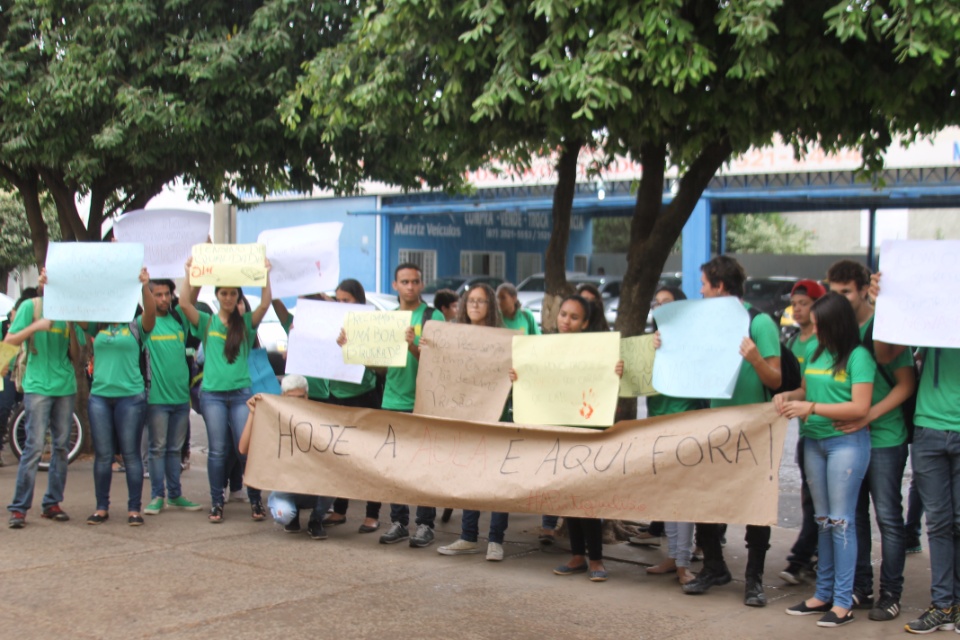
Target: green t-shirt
826,387
340,389
522,321
218,374
889,430
749,389
169,373
317,388
799,347
49,371
401,385
116,360
661,405
938,400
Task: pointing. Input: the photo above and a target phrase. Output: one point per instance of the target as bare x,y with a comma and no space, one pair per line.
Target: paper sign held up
637,354
93,281
229,265
167,235
303,259
313,349
377,338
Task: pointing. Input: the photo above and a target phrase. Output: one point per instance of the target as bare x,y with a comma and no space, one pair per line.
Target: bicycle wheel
18,437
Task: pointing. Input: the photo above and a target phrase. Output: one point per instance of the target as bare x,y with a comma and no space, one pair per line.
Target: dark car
457,284
770,295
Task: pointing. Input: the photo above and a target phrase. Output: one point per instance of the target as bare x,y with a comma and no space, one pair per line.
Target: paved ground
180,577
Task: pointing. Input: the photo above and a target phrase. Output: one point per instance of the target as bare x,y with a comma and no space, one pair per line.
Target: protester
936,470
514,316
448,303
577,315
800,562
478,308
759,374
833,401
399,394
227,338
168,401
10,395
589,291
49,391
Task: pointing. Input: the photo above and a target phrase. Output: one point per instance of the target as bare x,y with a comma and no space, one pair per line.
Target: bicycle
17,437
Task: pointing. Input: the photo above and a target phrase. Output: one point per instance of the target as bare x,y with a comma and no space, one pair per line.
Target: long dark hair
355,289
493,317
837,330
592,312
236,328
677,294
597,301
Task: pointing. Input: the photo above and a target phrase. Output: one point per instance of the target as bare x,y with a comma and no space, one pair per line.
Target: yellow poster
376,338
229,265
637,354
566,379
7,353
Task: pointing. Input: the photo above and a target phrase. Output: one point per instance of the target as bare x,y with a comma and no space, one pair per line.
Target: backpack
790,376
909,406
26,349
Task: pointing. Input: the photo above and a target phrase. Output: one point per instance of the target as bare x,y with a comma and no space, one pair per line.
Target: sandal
96,518
216,514
256,511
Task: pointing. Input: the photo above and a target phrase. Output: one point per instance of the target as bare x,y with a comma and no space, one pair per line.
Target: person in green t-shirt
936,470
168,401
893,384
117,405
760,372
49,391
514,316
833,400
227,338
447,302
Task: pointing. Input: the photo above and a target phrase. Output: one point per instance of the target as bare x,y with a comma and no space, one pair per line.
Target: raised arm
188,298
281,310
265,298
149,317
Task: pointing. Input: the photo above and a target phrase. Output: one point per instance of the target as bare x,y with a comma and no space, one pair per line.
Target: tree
16,249
765,233
684,83
113,99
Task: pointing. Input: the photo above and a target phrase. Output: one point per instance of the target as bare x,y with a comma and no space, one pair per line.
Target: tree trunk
65,197
555,273
28,186
4,276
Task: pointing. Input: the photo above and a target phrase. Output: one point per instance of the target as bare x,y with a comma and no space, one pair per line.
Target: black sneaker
316,530
792,575
423,537
706,579
887,608
933,619
293,526
17,520
753,594
803,610
830,619
394,534
862,600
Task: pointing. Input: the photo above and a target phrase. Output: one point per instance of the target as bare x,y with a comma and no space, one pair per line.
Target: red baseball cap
813,288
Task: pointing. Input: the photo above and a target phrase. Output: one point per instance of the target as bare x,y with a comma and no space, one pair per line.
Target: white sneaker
494,551
460,547
238,496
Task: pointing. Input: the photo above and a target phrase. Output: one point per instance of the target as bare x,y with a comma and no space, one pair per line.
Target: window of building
581,263
483,263
425,259
528,264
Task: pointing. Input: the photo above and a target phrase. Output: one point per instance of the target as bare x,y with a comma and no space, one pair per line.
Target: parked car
770,295
457,284
530,291
667,279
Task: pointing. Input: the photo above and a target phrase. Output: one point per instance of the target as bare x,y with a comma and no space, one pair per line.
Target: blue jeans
401,513
120,418
805,547
225,414
680,542
470,526
284,507
936,468
883,481
42,413
167,425
835,469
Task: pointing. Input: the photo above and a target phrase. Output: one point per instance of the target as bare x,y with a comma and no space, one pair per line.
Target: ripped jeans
835,468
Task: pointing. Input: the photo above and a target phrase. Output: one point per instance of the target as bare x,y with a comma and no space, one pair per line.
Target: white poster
93,281
304,259
916,306
313,349
167,236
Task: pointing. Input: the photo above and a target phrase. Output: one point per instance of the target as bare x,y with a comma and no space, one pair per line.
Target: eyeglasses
477,303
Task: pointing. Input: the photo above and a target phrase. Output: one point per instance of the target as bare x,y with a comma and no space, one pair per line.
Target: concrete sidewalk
180,577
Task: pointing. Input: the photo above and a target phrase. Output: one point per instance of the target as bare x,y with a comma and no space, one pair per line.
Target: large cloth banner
229,265
93,281
167,236
464,371
718,465
700,352
303,259
913,307
566,379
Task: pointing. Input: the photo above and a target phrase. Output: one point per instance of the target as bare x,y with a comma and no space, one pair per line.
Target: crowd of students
852,407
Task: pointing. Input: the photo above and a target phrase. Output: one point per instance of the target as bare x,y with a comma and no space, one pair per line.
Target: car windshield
533,284
444,283
763,289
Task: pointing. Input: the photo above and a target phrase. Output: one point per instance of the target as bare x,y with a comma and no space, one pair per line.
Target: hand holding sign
377,338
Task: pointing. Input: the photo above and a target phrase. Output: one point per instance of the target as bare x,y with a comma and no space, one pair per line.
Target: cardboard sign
229,265
637,354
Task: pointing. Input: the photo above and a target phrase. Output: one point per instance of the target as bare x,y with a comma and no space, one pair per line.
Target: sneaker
494,551
706,579
423,537
17,520
753,595
792,575
293,526
803,610
918,548
55,513
182,503
830,619
862,600
396,533
316,530
460,547
933,619
155,507
887,608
